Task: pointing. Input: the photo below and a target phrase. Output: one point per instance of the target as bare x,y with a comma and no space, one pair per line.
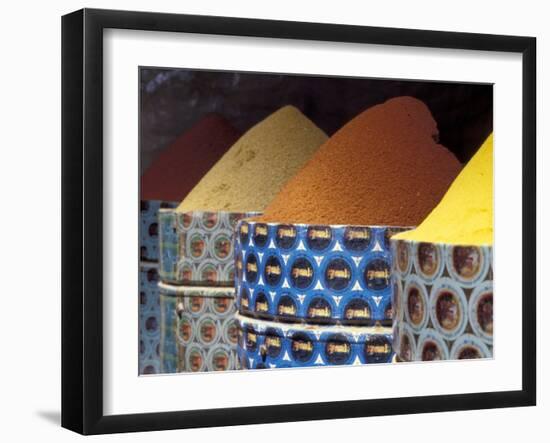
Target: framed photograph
269,221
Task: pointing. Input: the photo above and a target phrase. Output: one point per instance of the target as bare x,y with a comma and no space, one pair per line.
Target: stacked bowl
313,295
196,290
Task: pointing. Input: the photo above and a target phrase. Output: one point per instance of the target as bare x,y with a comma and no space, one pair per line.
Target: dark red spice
177,169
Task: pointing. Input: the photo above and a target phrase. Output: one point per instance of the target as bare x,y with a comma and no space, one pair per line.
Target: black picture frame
82,218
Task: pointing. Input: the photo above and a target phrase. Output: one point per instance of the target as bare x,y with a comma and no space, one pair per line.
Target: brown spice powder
178,168
384,167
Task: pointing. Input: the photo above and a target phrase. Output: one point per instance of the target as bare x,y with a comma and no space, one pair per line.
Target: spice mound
179,167
253,170
382,168
465,215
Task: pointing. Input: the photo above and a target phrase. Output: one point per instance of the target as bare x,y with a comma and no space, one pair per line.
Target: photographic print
292,221
257,208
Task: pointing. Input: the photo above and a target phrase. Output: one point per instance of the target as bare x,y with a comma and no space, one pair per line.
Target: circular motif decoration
468,264
448,308
210,220
231,330
377,274
357,311
244,301
319,309
429,261
319,238
337,349
185,271
195,305
377,349
208,330
152,275
285,236
338,274
415,303
196,246
153,230
302,273
260,234
208,271
286,307
302,347
357,238
431,346
273,271
150,367
250,338
251,268
481,311
261,304
468,346
221,246
194,359
185,331
403,259
273,342
244,229
219,358
407,344
186,220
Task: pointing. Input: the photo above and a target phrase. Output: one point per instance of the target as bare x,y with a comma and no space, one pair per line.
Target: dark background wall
172,100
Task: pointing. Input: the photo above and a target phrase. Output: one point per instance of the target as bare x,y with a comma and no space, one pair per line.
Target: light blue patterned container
196,248
444,301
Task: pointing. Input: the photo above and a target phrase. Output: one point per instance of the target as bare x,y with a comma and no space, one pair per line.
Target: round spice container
201,326
265,344
149,318
447,296
196,248
300,273
444,269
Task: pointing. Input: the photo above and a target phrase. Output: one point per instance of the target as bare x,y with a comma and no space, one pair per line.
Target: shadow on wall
172,100
54,417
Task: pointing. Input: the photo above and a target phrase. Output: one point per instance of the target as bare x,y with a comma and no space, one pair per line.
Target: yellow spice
465,214
255,168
